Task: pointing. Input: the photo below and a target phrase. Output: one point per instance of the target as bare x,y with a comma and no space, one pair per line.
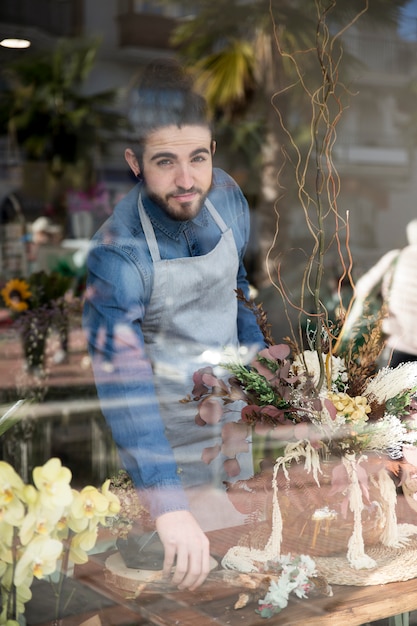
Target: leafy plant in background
46,112
53,123
240,68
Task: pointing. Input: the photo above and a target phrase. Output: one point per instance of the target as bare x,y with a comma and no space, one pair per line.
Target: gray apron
189,319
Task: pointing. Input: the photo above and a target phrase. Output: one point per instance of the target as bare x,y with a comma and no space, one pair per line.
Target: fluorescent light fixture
15,43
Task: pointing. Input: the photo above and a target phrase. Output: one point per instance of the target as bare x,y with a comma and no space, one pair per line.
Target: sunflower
16,294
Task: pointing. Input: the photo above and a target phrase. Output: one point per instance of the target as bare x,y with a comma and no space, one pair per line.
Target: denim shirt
119,286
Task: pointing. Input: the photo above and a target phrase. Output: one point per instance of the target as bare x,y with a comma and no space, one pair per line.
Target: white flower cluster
309,362
389,382
389,432
295,578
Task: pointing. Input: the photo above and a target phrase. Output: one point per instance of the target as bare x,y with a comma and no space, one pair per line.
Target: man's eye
199,159
164,162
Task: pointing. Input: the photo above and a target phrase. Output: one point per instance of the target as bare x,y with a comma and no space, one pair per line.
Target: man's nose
184,177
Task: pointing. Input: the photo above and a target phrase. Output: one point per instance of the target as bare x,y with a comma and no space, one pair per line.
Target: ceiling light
15,43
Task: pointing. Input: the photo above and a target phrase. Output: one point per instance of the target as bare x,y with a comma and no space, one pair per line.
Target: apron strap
216,215
150,233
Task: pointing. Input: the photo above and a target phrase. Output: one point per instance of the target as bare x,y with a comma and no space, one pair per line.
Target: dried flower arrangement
132,513
340,433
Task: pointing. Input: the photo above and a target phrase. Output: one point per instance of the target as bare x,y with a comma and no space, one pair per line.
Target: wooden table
213,603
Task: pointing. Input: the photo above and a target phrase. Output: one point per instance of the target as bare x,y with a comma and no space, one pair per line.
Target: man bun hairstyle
166,97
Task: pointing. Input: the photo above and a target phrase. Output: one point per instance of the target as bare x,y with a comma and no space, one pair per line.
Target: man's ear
132,161
213,147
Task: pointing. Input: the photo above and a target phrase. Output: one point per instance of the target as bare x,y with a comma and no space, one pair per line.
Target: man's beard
185,210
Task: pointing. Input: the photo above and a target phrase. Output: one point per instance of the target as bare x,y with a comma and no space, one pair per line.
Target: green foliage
12,416
225,76
47,288
39,290
254,383
44,108
231,48
399,405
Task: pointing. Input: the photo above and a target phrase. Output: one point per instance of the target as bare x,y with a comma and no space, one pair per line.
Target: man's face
177,169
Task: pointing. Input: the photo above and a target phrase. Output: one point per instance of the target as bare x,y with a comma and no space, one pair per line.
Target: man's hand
183,538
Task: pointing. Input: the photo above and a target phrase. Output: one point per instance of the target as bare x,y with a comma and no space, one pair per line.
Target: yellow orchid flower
38,559
53,482
12,509
30,495
6,534
114,502
89,505
39,521
23,593
13,513
81,544
10,482
87,539
60,530
6,558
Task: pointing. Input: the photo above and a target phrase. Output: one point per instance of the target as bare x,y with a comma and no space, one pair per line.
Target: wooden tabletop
214,602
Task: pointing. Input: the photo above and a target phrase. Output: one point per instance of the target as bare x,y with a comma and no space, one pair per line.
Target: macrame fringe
242,558
356,547
388,493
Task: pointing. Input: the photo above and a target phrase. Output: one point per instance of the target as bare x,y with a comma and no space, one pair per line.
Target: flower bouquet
333,454
38,304
338,432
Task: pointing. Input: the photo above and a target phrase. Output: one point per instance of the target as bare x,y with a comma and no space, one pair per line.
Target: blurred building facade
375,151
